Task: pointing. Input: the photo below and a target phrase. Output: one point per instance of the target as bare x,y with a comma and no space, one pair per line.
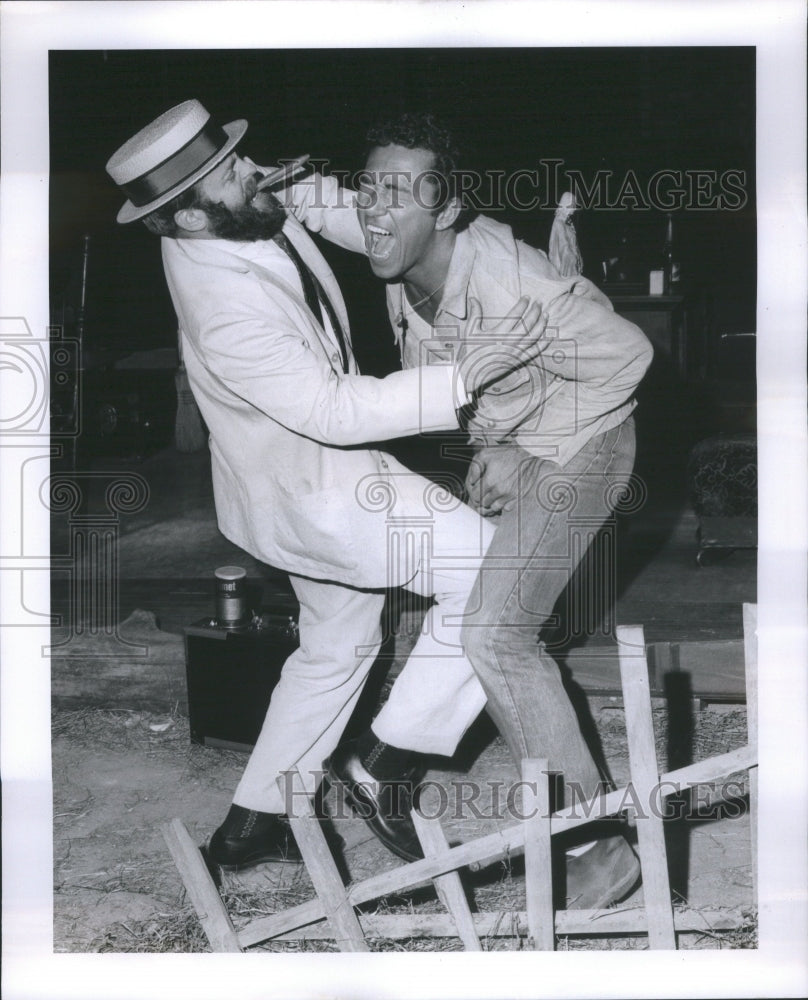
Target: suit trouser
435,698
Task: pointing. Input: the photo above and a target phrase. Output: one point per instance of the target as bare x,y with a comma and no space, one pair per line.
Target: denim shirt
592,360
581,385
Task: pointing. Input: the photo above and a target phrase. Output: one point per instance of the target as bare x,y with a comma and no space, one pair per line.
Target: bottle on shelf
671,265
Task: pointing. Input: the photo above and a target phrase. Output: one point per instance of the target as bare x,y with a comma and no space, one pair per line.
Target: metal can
231,596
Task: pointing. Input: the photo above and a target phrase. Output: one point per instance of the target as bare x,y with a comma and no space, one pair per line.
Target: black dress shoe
384,805
248,838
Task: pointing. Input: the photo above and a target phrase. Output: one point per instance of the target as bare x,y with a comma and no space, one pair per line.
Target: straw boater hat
168,156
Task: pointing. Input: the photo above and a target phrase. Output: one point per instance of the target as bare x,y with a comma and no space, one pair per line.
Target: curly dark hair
425,130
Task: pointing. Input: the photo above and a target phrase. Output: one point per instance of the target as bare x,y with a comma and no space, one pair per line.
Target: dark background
642,109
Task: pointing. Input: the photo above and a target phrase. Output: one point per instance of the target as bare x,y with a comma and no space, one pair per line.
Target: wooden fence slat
201,888
448,887
323,872
672,782
538,859
492,847
513,923
750,649
645,778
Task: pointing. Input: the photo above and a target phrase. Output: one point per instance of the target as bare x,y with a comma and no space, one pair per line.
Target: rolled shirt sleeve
581,384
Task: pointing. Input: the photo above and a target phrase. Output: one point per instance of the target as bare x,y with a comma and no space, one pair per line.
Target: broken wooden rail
333,908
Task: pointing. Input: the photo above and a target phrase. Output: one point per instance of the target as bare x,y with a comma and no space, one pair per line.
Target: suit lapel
203,251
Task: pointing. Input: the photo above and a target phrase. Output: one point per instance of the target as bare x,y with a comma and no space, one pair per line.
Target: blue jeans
537,546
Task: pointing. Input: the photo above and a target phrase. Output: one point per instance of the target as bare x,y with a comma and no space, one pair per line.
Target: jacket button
335,357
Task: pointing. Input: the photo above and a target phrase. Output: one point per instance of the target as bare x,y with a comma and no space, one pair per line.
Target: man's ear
192,220
448,214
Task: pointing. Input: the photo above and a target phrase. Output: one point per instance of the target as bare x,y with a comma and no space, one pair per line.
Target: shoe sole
246,865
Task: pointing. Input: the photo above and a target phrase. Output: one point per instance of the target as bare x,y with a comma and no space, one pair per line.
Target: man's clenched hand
496,477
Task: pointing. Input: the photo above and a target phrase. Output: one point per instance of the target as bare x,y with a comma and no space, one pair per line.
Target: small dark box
231,675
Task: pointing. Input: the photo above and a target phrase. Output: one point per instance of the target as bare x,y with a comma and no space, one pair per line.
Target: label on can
231,595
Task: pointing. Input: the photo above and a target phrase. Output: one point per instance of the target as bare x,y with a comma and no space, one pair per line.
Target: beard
260,219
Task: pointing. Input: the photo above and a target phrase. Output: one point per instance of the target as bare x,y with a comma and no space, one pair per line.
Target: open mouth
379,242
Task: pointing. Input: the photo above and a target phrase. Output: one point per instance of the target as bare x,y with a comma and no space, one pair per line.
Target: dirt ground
119,776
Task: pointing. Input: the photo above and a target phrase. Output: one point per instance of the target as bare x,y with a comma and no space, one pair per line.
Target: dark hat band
178,167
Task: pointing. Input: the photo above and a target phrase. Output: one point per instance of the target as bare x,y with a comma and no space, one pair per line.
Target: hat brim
235,132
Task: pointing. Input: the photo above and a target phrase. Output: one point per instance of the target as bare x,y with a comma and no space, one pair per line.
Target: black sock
383,761
242,822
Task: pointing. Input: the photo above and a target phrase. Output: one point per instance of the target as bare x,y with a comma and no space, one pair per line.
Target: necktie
314,294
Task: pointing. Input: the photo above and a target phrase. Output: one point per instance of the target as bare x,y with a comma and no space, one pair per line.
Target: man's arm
326,208
585,343
259,351
608,354
257,348
600,356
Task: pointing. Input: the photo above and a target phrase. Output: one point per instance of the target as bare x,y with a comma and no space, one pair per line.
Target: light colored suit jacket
290,485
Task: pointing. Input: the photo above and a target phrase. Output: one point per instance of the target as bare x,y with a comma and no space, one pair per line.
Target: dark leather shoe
384,805
603,875
248,838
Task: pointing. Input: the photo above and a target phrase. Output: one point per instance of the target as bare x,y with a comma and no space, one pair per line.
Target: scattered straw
175,927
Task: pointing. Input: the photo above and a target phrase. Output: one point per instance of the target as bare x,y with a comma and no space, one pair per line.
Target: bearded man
266,344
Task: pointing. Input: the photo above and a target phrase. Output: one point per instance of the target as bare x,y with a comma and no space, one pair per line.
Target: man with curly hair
553,448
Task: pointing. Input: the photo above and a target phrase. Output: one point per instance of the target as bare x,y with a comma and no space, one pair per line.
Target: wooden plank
684,621
661,662
493,847
715,666
513,923
645,779
448,887
323,872
751,661
538,863
200,888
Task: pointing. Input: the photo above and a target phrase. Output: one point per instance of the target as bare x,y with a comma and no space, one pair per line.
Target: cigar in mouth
283,173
